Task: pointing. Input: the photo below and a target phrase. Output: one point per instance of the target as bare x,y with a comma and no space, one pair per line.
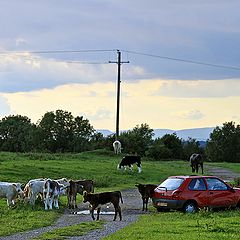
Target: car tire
190,207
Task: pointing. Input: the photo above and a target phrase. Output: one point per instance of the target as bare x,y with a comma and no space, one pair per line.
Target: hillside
200,134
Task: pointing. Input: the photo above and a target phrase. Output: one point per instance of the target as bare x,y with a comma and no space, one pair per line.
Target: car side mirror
232,190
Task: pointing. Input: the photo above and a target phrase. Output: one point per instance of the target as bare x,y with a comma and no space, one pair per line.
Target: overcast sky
159,87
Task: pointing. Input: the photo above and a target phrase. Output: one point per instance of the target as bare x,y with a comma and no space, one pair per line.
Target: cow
32,189
98,199
76,187
35,187
51,192
117,146
10,191
146,191
196,161
129,160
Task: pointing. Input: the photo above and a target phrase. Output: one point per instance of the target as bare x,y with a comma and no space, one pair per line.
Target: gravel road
131,209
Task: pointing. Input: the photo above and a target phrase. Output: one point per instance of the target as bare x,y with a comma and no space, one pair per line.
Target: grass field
99,166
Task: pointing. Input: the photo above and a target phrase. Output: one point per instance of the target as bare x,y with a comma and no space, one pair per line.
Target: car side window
197,184
216,184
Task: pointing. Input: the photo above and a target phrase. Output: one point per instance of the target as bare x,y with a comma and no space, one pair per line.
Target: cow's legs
92,212
143,206
197,168
55,201
201,164
98,212
146,204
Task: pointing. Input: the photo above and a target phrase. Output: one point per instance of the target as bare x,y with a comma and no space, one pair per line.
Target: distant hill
200,134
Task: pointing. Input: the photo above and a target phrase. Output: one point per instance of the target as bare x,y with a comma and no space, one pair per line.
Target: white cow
51,191
32,189
10,191
117,147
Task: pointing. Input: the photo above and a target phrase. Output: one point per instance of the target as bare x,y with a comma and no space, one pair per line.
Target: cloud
199,89
186,30
4,107
191,115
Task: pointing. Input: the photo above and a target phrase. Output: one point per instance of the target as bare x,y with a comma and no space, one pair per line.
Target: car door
197,190
219,193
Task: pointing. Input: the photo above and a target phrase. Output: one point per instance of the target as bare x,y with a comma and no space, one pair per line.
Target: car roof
192,176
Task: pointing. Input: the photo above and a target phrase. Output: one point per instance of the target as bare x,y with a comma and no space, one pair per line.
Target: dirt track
131,210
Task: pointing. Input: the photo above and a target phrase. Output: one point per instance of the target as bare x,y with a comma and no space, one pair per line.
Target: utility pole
118,91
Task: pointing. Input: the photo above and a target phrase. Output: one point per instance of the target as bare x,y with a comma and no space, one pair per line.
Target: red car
189,193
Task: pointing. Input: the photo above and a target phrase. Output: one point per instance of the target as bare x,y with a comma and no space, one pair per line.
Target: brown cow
98,199
146,191
76,187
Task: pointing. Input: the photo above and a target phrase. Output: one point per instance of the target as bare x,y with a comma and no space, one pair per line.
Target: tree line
61,132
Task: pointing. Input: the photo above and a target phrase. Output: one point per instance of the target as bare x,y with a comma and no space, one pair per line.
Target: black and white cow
129,160
51,192
196,161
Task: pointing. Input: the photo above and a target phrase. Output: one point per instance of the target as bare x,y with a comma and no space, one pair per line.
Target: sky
183,70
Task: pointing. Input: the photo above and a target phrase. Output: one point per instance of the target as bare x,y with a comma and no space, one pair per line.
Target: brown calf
98,199
78,187
146,191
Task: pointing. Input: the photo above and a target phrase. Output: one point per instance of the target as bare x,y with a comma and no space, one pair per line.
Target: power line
183,60
58,51
115,50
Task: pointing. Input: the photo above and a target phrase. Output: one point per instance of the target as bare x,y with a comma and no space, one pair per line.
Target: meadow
101,166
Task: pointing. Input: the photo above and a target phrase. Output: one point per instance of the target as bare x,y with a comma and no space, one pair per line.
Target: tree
224,143
173,143
61,132
137,140
159,151
83,132
17,134
191,146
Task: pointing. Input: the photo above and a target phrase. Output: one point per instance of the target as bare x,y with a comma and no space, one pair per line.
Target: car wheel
190,207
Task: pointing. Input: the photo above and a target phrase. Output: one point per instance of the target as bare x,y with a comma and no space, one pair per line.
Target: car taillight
176,193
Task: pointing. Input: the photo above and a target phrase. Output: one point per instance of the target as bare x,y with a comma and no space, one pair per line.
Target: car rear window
171,183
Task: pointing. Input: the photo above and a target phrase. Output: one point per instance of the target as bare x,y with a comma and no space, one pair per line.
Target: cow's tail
120,195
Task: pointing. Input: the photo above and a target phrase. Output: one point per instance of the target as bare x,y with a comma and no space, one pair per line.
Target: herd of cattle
50,190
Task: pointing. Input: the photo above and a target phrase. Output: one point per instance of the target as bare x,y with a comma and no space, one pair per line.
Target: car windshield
171,183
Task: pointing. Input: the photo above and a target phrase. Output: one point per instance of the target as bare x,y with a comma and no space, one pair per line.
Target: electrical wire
182,60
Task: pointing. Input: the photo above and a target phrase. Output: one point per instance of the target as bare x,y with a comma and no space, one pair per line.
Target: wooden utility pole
118,91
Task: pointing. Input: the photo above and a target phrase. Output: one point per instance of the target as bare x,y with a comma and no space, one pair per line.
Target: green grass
235,167
176,225
22,218
70,231
101,166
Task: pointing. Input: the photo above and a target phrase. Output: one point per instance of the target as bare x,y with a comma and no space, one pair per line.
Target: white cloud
137,105
191,115
199,89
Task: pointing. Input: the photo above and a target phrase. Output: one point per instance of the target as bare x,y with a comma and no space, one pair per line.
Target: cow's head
86,196
18,189
120,167
80,189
